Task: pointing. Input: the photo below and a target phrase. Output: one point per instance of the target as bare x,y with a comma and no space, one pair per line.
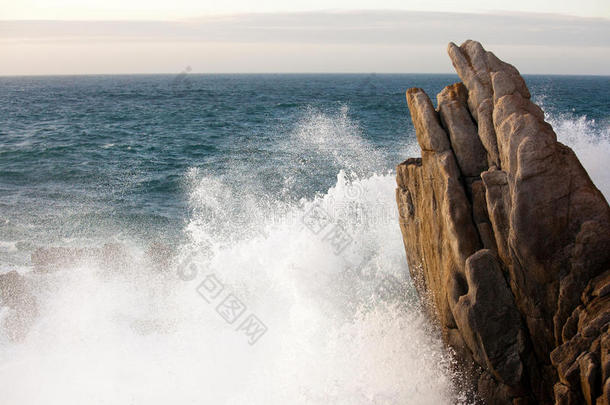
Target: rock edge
507,239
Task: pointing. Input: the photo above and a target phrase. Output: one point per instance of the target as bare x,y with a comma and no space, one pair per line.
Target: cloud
331,41
338,27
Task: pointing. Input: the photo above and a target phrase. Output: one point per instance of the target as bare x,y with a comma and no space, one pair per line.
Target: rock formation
507,239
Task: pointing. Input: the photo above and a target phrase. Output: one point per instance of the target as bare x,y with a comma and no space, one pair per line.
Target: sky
238,36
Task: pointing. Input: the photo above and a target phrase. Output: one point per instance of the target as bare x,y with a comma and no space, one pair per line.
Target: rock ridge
507,239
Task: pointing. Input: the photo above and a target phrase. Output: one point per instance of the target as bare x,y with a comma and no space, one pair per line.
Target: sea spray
116,338
337,332
590,142
341,325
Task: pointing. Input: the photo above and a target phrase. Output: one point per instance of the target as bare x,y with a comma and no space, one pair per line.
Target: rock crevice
507,238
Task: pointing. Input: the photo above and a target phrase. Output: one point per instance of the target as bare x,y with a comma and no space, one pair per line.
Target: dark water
92,156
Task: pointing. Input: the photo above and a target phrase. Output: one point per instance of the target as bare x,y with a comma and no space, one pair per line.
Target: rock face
507,239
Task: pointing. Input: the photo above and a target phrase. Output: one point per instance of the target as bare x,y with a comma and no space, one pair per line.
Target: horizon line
278,73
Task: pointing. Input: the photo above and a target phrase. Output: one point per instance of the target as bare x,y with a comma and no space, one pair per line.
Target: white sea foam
590,142
8,246
335,335
343,325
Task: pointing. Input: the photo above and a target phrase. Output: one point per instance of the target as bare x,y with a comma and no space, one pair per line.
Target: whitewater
323,278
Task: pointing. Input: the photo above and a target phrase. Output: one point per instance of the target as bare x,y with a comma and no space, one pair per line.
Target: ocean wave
324,275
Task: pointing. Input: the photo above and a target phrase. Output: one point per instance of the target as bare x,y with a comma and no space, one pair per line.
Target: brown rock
489,320
474,65
431,136
605,355
465,142
532,309
605,398
589,377
563,395
480,216
498,208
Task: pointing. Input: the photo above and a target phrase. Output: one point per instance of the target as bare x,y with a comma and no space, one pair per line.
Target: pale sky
161,36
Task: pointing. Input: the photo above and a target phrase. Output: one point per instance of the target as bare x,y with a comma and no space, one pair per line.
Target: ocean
227,239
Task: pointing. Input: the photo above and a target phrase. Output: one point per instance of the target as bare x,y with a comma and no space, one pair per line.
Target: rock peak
508,238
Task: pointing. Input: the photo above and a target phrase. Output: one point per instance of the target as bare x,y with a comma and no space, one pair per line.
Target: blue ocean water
229,165
80,155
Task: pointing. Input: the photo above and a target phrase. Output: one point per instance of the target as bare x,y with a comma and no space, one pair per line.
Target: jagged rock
488,319
462,131
532,308
580,358
605,398
438,177
479,215
563,395
589,375
605,356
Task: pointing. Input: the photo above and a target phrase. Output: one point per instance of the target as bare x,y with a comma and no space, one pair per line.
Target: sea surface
227,239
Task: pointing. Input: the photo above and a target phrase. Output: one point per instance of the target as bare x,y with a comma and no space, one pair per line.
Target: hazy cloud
389,29
370,27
